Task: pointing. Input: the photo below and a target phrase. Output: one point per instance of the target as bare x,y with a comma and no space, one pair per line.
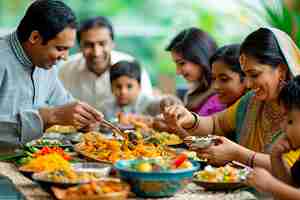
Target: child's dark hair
229,54
289,96
131,69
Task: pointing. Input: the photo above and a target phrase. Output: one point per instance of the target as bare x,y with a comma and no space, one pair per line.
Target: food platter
221,178
105,189
98,148
63,178
167,138
90,156
39,143
219,186
73,137
61,129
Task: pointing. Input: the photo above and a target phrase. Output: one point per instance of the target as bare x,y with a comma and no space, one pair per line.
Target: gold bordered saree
254,122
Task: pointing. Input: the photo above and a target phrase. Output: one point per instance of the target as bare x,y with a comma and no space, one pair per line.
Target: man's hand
78,114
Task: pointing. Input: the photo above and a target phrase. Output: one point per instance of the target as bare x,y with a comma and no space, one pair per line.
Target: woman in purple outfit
191,50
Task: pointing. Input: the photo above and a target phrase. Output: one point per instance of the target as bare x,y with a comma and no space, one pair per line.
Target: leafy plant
277,14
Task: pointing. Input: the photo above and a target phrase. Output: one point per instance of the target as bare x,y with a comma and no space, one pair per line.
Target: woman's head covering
258,129
289,49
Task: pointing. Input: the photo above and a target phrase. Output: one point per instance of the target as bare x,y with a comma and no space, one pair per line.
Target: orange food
94,189
61,129
48,162
138,121
48,150
95,146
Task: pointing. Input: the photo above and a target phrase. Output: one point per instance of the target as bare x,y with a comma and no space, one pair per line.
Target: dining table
30,190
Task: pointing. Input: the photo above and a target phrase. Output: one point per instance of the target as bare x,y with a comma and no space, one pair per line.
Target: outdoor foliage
280,14
144,27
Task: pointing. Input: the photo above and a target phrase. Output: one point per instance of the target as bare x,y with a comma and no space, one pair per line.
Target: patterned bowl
154,184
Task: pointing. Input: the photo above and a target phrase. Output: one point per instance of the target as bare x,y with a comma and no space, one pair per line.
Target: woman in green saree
268,58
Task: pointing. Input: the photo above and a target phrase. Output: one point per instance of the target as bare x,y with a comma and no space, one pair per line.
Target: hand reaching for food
220,152
178,115
78,114
260,179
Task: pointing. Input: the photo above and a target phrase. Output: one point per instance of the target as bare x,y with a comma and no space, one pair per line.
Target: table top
32,191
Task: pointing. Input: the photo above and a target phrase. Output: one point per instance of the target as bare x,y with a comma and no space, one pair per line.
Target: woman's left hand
221,152
260,179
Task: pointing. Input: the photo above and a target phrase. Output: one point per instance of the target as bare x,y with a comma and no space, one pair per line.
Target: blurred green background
144,27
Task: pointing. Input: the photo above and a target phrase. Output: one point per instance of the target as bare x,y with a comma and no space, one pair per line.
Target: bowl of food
192,155
200,142
165,138
159,177
105,189
67,177
61,129
40,143
221,178
44,163
101,169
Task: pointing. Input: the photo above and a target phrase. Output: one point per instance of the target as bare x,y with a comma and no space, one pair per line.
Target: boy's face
125,89
293,128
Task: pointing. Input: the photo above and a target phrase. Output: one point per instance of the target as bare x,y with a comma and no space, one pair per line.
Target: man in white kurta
86,74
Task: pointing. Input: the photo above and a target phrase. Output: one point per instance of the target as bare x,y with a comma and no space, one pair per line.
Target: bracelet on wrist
251,160
195,124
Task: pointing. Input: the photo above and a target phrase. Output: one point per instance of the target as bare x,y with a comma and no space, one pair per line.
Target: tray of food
201,142
97,147
39,143
137,121
78,174
221,178
61,129
105,189
71,137
165,138
47,162
35,148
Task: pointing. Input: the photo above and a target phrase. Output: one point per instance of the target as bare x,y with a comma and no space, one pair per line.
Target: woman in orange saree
269,58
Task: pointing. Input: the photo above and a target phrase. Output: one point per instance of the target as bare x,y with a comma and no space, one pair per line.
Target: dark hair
295,172
99,21
125,68
195,46
289,95
48,17
263,46
229,54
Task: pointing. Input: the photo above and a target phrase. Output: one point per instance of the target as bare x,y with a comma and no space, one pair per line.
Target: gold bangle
195,124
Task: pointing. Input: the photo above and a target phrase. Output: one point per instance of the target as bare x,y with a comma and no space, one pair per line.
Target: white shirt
143,105
88,87
24,88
